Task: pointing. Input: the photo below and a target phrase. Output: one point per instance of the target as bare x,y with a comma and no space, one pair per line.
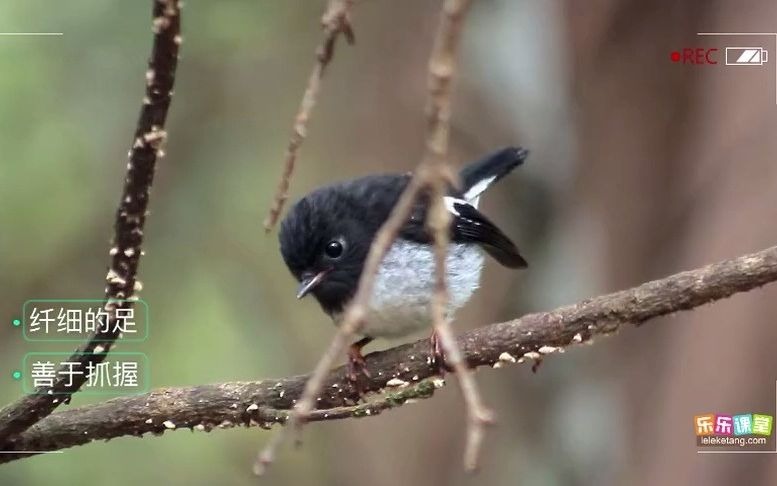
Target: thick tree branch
125,251
529,337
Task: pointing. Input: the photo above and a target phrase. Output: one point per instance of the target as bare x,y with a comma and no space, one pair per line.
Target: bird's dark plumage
346,216
469,225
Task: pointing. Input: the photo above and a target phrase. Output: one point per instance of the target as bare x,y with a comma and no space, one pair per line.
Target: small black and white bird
327,234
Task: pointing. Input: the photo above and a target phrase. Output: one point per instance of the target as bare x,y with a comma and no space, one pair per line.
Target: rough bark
531,337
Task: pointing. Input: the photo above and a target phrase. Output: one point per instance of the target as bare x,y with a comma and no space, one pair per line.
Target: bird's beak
309,281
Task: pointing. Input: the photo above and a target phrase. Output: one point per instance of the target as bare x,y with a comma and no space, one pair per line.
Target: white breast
404,285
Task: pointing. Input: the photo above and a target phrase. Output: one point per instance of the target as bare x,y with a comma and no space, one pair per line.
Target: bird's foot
438,355
357,366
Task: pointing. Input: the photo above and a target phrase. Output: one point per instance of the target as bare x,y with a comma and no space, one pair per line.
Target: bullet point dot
16,322
17,375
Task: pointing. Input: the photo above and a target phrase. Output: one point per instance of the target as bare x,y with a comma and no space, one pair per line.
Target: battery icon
746,56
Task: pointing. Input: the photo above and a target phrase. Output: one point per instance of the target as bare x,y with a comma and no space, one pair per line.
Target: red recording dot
675,56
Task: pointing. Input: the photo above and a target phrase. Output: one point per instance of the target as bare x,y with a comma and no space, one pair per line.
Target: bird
326,235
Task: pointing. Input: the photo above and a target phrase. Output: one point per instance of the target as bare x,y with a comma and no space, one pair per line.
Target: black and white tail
478,176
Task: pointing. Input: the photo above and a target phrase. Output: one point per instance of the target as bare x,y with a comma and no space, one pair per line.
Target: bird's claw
357,367
438,355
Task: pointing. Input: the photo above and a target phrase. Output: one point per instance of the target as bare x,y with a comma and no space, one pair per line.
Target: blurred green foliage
67,112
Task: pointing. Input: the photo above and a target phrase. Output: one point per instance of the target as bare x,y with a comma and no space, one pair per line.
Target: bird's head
324,241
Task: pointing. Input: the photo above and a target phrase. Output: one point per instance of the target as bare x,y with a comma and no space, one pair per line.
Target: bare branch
442,66
530,337
478,416
125,252
335,21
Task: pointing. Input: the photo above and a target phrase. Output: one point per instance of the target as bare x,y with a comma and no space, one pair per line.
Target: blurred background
639,168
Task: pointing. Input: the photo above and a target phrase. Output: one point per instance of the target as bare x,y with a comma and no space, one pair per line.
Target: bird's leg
438,354
356,363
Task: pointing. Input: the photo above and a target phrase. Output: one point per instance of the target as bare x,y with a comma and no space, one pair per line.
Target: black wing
468,225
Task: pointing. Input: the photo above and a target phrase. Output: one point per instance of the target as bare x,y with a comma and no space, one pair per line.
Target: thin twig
335,21
442,66
478,415
126,251
205,407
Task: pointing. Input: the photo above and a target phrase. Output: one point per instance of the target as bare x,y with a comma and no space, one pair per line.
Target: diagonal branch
530,337
128,229
442,66
335,21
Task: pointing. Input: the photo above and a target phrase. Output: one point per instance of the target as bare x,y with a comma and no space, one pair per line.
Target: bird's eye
334,249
